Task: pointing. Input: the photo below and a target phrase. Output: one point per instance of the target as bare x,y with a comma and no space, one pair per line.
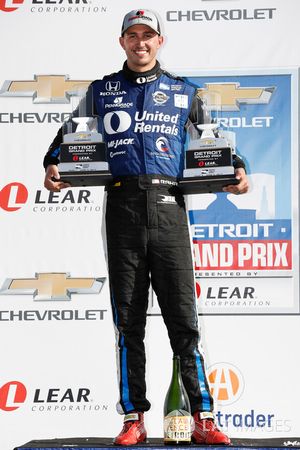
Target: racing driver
144,112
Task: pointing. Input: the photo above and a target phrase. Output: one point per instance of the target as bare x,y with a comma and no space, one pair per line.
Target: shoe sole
131,445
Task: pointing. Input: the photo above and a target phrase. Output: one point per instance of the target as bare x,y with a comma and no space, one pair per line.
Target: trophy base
91,178
205,185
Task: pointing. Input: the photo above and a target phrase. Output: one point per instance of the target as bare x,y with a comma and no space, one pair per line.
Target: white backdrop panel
57,376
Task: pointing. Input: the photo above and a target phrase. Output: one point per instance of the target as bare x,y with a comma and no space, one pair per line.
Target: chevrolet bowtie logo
229,96
52,286
45,88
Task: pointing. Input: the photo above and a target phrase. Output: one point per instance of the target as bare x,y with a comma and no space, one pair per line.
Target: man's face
141,44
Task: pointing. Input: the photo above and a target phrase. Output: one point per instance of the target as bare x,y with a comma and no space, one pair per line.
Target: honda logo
112,86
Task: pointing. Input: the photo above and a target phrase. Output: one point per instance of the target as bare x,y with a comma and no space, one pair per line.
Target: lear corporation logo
52,286
54,6
226,383
46,88
13,196
12,395
229,96
10,5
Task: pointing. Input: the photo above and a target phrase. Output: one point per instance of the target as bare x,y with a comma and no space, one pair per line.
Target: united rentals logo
52,286
46,88
230,96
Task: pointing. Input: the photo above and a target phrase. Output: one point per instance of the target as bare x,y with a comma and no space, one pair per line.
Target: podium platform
154,443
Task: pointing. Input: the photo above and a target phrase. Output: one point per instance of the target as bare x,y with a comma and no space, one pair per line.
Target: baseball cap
141,17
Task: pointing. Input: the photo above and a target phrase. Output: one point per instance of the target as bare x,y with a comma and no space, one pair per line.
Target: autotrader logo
13,196
12,395
226,383
10,5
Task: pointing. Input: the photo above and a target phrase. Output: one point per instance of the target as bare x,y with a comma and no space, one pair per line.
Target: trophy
208,157
83,152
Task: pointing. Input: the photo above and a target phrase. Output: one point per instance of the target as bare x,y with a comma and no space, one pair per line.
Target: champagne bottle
177,410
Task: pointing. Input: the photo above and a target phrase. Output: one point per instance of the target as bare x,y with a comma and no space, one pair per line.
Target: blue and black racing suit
144,118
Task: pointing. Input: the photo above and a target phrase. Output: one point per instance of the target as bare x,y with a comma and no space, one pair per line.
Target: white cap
141,17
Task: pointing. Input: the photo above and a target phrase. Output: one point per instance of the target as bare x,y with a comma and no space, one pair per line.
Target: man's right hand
54,186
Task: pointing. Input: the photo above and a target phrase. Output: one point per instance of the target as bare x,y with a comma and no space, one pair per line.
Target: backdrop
58,370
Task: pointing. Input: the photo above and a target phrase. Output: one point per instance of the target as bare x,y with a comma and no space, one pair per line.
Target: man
145,111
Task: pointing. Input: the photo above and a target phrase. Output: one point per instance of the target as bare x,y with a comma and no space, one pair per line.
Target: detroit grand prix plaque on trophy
83,159
208,158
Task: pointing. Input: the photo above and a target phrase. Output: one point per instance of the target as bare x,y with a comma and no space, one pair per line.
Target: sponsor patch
176,87
160,98
164,86
181,101
167,199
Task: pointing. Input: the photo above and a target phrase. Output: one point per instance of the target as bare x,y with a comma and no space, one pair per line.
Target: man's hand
54,186
243,185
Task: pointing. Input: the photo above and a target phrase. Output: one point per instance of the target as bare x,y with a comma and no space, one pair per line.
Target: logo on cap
141,16
138,15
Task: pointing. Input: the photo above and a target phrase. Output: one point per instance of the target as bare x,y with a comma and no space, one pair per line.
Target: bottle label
178,426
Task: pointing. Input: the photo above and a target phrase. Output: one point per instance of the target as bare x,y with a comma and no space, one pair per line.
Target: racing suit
143,118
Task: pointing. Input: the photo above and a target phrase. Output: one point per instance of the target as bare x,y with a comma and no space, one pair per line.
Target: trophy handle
83,123
208,130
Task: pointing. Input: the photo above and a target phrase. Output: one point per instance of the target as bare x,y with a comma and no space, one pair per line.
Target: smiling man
141,41
145,112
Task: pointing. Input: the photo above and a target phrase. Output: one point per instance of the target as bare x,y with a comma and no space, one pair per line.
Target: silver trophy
208,157
83,159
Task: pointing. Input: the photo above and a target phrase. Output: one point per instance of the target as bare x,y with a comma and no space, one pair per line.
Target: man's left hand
243,185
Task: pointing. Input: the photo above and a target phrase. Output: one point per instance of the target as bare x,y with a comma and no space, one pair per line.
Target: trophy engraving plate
210,149
83,156
208,163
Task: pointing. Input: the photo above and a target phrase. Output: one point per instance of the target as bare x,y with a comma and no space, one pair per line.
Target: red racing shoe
206,431
133,430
